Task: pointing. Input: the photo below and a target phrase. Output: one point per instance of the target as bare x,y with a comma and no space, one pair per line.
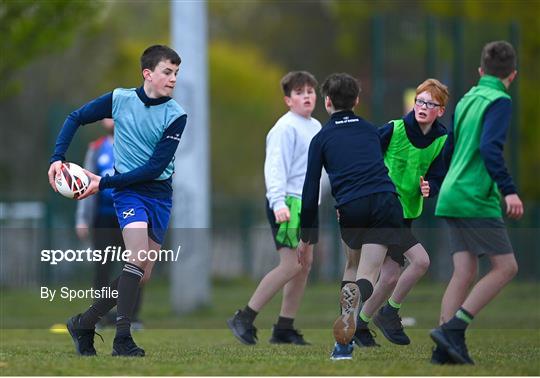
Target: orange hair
436,89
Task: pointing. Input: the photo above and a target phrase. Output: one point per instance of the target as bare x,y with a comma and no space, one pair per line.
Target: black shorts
275,228
408,240
373,219
479,236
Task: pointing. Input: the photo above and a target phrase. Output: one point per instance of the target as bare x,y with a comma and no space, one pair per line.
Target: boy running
349,149
148,127
284,171
469,201
412,149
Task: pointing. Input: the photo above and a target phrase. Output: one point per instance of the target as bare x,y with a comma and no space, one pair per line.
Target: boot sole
345,325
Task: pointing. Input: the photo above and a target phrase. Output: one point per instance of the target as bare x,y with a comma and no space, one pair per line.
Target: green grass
503,340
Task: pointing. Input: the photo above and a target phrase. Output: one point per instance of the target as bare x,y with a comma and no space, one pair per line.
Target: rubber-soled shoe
364,337
390,325
242,329
342,352
126,347
453,342
345,324
82,338
440,357
287,336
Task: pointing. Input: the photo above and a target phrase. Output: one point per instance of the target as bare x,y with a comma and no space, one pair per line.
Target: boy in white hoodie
285,166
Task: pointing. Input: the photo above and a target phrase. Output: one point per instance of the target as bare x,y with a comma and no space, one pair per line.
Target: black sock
248,314
460,321
285,323
128,288
366,289
100,308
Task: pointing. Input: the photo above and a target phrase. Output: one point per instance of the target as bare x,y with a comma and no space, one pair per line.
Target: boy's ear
287,100
480,71
327,101
146,73
356,102
441,111
511,77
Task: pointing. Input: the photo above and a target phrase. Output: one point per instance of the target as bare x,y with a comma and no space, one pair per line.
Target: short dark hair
343,89
498,59
151,57
297,79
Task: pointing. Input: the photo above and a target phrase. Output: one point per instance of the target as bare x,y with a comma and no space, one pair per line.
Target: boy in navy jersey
148,127
349,149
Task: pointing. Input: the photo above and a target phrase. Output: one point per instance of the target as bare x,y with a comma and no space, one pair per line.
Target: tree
30,29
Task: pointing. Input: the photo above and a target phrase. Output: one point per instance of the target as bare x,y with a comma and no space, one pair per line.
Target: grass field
504,340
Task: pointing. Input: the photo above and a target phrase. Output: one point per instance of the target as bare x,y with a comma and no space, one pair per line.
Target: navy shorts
134,207
373,219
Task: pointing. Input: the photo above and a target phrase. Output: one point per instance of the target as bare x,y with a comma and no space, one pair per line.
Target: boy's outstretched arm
93,111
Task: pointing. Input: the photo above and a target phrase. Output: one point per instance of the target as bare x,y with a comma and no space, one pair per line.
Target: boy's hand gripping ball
72,181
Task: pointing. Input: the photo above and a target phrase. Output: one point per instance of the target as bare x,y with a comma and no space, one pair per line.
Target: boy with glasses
412,148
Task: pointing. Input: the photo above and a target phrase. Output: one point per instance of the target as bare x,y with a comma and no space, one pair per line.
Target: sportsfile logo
109,254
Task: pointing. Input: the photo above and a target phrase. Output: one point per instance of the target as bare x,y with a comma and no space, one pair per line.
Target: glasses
429,105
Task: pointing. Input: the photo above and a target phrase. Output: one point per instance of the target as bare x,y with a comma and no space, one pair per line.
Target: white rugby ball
72,181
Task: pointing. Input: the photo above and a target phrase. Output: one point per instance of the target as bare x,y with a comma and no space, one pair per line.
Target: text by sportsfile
109,254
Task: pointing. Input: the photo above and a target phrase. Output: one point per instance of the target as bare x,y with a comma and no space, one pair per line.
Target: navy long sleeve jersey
437,169
141,179
495,126
349,149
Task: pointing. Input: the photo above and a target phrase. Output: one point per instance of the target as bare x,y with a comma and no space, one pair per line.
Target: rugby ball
71,182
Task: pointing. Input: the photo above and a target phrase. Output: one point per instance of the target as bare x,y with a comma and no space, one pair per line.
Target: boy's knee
509,269
289,269
514,268
422,263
